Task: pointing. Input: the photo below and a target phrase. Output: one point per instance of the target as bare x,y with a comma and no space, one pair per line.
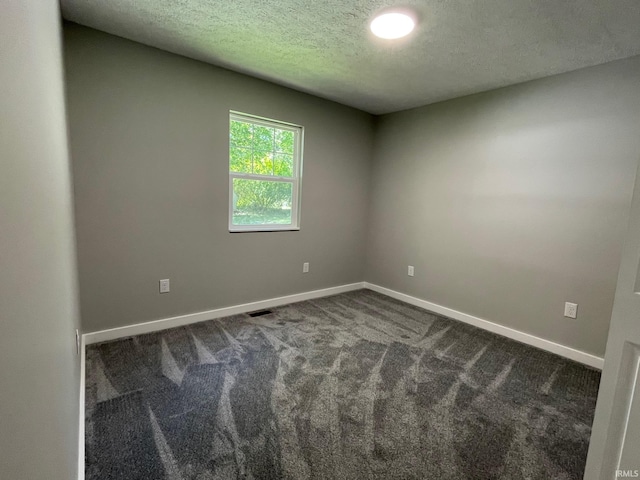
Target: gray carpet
354,386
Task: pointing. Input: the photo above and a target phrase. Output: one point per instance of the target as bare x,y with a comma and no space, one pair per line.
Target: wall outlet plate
571,310
410,271
165,286
305,267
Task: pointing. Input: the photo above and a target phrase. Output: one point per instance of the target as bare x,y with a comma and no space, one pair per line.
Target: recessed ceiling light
392,25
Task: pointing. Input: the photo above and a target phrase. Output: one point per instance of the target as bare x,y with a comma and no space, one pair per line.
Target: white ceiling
324,46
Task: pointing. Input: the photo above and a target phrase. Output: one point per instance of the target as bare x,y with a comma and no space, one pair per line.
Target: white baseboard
562,350
163,324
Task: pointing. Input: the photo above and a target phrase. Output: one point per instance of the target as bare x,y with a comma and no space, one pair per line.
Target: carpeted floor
354,386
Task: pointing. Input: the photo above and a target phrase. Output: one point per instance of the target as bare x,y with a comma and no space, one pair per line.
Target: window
264,174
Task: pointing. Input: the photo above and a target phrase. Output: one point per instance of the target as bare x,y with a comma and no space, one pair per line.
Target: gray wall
149,145
511,202
39,371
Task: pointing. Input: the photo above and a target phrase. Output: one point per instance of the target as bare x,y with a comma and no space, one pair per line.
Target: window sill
264,229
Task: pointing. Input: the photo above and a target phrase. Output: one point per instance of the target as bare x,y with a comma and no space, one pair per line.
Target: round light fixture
392,25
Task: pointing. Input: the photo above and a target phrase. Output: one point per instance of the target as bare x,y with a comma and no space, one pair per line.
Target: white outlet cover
410,271
571,310
165,286
305,267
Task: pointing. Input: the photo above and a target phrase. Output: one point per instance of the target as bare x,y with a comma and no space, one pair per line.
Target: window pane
241,134
261,202
284,141
283,165
263,163
240,159
263,138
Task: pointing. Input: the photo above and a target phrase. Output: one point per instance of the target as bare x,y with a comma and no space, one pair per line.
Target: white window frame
295,180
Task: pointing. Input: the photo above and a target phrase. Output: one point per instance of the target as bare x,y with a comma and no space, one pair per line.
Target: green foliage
268,217
259,195
260,150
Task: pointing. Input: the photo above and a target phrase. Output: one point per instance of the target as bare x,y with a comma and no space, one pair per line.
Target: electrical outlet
305,267
165,287
571,310
410,271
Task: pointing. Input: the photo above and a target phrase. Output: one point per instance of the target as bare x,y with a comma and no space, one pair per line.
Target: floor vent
260,313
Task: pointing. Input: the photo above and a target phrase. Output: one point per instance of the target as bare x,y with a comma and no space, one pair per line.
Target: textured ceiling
324,46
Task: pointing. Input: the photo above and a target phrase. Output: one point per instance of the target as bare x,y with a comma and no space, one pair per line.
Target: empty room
319,240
